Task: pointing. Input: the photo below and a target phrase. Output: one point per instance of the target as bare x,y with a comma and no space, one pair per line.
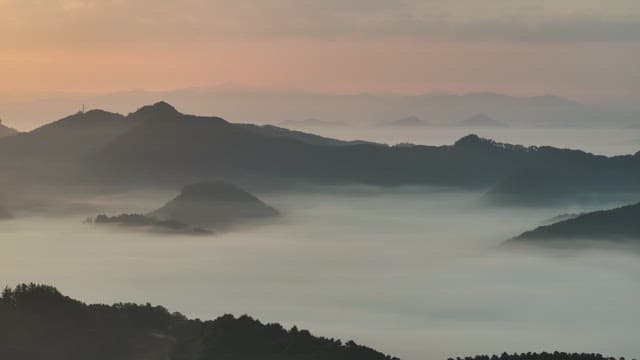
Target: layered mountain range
159,142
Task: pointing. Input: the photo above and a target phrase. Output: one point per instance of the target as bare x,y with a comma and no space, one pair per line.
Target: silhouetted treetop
37,322
539,356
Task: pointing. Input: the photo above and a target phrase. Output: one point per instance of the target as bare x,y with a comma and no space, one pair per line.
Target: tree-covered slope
37,322
616,225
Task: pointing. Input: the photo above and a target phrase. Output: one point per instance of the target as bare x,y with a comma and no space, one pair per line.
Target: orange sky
580,49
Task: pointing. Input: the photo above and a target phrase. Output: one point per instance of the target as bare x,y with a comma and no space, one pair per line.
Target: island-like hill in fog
620,225
199,209
214,204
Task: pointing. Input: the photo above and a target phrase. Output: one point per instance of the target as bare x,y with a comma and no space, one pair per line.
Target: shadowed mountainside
158,142
200,146
37,322
615,225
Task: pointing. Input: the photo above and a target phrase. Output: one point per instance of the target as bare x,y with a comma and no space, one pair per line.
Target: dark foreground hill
616,225
215,204
39,323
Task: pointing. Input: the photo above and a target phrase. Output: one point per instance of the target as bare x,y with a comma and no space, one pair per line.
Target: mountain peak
160,109
471,140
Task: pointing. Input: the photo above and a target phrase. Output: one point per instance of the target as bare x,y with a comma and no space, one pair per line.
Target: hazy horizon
579,49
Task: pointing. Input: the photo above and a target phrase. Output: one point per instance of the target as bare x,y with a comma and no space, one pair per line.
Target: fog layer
414,272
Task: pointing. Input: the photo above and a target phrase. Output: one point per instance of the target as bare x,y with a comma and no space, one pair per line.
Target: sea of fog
412,271
606,141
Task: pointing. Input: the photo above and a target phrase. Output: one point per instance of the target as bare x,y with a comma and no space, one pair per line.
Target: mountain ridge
157,141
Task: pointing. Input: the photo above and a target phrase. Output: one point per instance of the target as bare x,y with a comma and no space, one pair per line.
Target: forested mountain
157,141
615,225
37,322
203,146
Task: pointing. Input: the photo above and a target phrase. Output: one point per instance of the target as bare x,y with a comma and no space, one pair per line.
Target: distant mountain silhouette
37,322
311,122
616,225
256,105
214,203
138,220
6,131
408,121
480,120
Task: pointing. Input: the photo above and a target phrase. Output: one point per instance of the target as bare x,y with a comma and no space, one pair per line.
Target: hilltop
616,225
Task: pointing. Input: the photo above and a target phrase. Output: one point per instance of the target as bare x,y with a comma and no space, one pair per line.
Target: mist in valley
413,271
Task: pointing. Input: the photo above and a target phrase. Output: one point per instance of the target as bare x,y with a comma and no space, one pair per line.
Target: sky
582,49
